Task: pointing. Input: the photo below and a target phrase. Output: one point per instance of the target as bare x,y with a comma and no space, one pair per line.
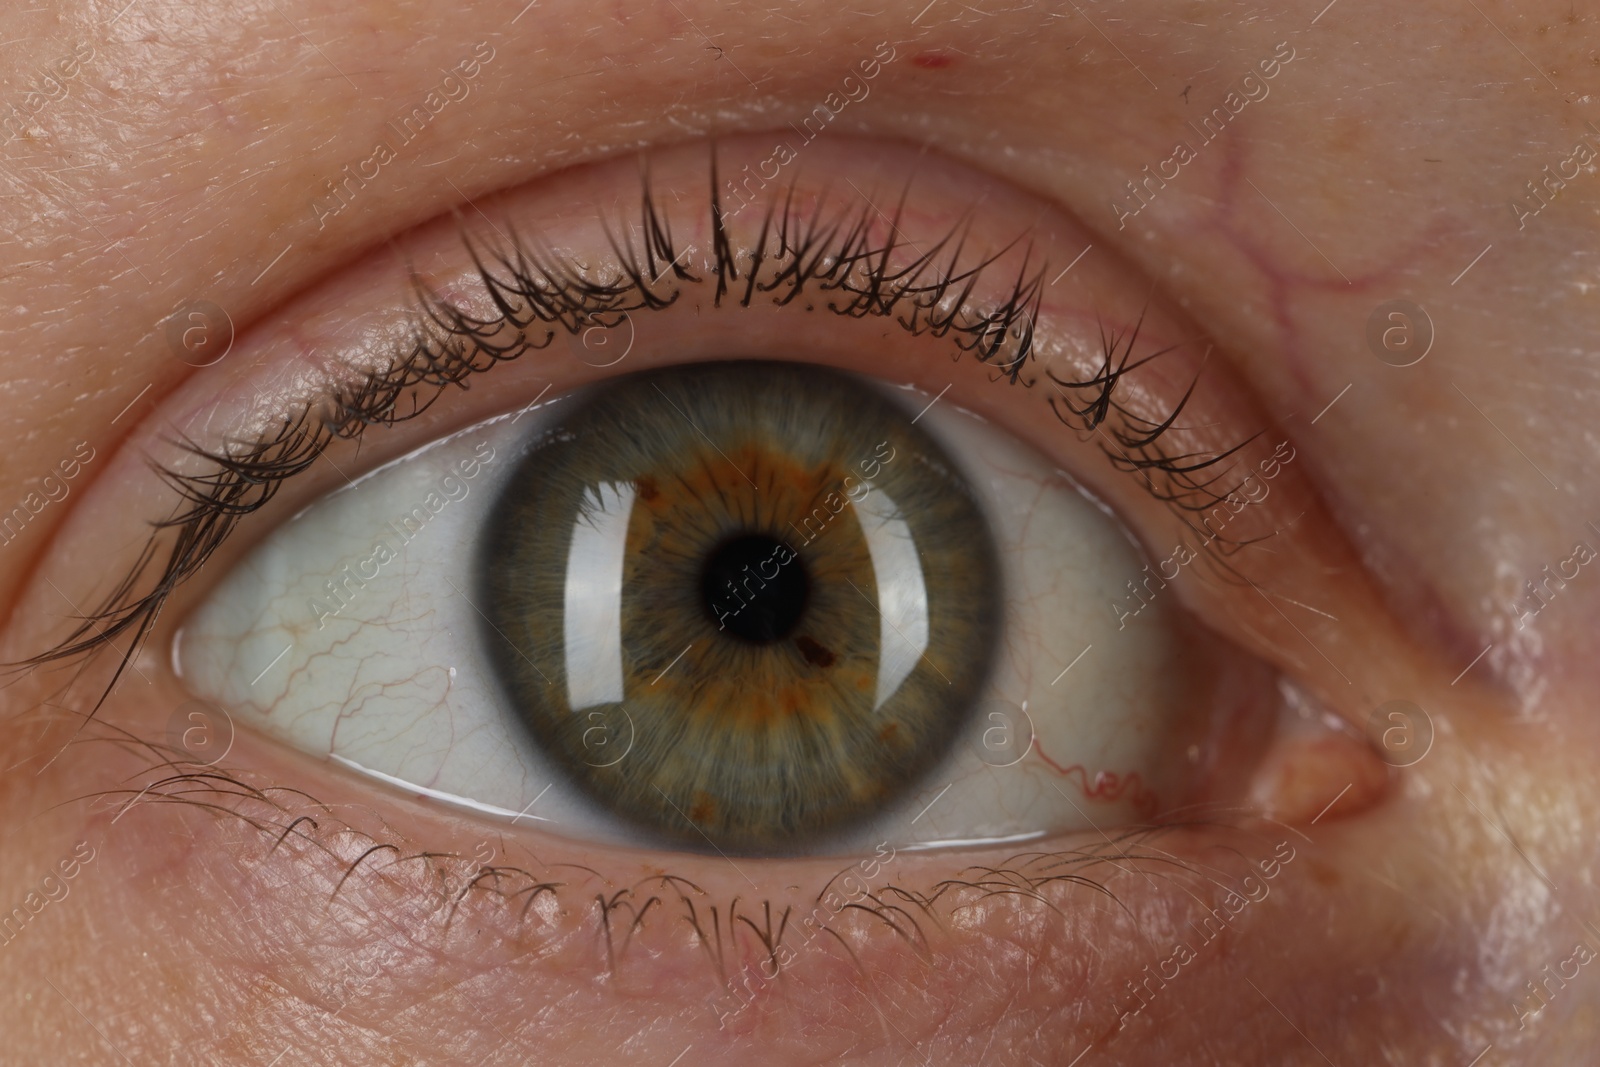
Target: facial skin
179,154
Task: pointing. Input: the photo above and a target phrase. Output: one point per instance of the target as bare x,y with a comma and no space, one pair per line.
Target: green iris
739,603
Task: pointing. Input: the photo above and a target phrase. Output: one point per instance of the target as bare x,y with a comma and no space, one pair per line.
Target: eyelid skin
547,917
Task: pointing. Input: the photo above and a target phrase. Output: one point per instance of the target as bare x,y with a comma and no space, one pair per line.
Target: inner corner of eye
754,607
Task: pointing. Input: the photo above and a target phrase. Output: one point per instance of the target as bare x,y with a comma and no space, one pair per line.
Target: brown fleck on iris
815,653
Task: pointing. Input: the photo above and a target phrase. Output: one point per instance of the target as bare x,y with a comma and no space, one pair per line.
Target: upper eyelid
822,251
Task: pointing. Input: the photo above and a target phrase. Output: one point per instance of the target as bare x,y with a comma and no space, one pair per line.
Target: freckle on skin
932,60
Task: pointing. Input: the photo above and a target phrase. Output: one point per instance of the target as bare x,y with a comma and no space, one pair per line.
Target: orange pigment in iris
769,491
757,702
770,480
703,807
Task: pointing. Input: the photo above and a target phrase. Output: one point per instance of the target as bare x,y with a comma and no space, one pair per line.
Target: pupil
755,588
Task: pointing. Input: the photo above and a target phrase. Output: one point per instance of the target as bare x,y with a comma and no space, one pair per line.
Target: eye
777,536
754,605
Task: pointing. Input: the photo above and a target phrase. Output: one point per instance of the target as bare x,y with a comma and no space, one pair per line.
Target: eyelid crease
829,252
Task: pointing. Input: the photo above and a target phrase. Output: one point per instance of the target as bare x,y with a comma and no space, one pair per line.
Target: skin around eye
522,904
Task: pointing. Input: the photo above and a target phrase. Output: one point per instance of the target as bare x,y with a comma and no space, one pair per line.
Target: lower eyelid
1045,939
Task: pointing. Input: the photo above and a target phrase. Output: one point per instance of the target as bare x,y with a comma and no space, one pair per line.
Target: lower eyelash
833,254
619,914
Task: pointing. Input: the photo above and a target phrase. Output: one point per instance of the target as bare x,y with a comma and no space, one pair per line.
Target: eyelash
619,912
449,878
829,253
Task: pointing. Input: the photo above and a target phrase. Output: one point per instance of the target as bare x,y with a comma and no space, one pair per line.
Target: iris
743,603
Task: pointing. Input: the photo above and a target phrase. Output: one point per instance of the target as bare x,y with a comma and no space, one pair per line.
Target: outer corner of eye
757,606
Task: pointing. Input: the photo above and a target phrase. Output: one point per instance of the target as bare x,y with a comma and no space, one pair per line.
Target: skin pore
165,152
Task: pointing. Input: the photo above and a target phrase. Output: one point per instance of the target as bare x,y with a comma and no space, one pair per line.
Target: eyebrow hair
857,258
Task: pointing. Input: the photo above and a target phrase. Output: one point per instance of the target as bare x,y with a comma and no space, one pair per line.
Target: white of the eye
593,604
902,596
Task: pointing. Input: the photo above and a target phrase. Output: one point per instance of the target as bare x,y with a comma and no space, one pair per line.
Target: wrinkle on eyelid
939,189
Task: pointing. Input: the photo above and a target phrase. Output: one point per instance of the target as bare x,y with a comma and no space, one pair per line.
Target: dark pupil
755,588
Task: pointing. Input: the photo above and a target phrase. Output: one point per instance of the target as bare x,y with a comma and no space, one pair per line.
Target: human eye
866,526
743,604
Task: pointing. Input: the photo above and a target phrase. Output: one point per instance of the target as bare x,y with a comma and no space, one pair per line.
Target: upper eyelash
1135,446
829,252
